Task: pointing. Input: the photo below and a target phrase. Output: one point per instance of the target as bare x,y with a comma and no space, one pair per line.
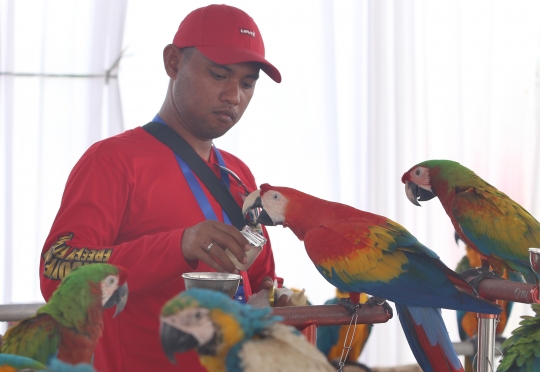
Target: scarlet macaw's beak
415,193
253,201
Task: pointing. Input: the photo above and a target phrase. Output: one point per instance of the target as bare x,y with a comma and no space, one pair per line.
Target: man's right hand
218,236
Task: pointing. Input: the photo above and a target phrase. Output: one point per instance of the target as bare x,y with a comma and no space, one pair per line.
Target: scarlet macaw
486,219
357,251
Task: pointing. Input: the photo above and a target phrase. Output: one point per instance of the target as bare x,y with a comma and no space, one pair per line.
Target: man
128,202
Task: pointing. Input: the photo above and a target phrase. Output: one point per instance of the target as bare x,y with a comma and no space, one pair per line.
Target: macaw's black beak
118,298
457,238
175,341
254,201
415,193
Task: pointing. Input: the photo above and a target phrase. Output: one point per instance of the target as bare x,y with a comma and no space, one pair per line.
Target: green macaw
522,350
70,324
486,219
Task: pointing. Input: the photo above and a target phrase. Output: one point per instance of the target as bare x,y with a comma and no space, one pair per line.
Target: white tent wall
55,101
369,89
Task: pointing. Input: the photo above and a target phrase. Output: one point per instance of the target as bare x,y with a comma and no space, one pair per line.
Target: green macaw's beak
415,193
254,201
175,341
118,298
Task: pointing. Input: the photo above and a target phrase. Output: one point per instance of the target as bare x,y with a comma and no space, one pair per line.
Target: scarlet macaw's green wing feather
498,226
36,337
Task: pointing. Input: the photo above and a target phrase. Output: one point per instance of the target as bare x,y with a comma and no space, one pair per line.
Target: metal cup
534,258
222,282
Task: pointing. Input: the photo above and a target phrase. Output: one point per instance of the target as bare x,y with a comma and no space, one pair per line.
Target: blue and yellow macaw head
208,321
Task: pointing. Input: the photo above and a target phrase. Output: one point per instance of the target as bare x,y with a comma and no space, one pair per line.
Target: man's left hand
266,283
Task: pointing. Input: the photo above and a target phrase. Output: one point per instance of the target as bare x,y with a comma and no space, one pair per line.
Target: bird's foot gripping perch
476,275
374,301
349,304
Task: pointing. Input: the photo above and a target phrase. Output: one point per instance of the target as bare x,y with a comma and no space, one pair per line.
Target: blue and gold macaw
14,363
234,337
357,251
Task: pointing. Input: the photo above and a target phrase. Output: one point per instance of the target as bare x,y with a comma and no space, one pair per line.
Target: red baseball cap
225,35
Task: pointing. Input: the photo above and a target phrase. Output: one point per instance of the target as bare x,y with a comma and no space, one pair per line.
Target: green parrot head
433,178
85,288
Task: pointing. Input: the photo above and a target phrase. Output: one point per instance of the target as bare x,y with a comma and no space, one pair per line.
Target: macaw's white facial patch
420,176
274,203
108,286
195,321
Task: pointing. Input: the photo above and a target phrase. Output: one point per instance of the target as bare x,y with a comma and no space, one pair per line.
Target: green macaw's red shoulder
488,213
75,347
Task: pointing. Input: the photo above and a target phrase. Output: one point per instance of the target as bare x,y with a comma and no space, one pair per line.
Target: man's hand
207,242
266,283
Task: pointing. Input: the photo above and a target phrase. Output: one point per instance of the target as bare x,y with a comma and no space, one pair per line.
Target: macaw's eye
193,316
111,280
417,171
275,196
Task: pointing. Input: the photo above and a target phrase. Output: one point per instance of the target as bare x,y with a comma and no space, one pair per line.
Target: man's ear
172,57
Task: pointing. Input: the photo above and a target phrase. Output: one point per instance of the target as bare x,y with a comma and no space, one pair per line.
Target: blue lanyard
195,186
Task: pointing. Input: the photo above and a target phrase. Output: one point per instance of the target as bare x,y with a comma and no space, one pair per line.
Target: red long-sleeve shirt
126,202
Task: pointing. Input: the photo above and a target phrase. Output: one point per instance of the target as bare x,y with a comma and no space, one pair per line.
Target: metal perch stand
495,289
308,318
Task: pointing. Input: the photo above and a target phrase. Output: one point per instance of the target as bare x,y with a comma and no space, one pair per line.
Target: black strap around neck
180,147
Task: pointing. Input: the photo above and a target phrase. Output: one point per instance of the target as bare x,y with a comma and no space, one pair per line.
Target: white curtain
370,88
59,94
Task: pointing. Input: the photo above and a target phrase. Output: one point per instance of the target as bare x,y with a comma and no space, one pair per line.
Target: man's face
211,98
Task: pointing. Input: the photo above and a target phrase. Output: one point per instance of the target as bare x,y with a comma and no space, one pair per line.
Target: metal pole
310,333
16,312
486,342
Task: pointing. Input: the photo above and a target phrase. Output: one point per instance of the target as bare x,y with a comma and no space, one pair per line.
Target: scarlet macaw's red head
417,183
272,201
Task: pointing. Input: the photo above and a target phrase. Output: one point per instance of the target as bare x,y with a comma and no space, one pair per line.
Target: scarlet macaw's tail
428,338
